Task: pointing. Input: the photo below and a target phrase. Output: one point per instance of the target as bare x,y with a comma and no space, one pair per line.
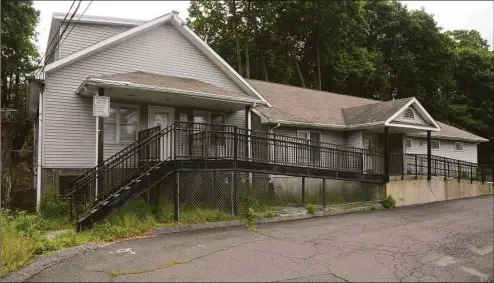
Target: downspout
271,134
40,148
249,129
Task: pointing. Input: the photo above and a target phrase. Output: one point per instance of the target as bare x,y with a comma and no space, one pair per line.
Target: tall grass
24,235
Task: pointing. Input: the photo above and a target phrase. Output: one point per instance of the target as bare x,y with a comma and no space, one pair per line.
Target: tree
19,57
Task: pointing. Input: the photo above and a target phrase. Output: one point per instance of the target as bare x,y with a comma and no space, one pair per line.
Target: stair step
126,188
105,202
93,211
115,195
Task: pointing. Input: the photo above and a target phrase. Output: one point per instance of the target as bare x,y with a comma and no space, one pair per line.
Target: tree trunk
299,73
233,9
264,69
318,66
247,63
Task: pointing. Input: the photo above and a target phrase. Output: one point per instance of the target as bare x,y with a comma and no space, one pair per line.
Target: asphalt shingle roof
298,104
157,80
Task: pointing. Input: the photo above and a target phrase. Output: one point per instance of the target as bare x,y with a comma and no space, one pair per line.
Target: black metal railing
105,179
198,141
416,164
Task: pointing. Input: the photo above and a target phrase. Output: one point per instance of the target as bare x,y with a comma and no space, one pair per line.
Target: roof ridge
317,90
84,17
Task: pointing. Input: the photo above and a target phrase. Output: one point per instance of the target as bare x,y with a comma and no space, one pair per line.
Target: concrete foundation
50,177
415,191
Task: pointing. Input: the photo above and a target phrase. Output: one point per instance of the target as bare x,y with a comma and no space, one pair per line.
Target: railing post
446,175
235,146
416,167
429,156
235,193
324,192
459,170
471,173
483,175
386,154
303,190
176,196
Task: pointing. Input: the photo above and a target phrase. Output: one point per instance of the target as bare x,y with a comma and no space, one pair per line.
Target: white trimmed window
435,144
408,143
458,146
122,125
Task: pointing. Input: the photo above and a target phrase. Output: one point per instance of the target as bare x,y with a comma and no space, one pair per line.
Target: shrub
388,202
310,208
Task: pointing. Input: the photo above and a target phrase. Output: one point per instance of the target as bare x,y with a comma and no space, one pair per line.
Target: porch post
99,144
386,154
101,92
429,156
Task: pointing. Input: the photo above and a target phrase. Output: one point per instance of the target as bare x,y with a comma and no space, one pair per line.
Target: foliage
52,206
311,209
361,48
388,202
19,58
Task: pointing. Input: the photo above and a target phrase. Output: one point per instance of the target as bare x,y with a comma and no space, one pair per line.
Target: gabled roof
144,78
168,84
313,108
304,105
182,28
375,113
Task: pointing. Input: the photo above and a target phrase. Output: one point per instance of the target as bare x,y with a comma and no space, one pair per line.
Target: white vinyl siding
416,120
446,149
84,35
355,139
69,140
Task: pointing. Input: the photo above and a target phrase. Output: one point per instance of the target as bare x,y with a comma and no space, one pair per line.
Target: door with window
372,142
309,153
162,117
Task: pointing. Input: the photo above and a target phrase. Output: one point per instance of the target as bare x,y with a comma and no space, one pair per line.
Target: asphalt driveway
447,241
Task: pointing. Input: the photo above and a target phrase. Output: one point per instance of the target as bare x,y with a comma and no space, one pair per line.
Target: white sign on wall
101,106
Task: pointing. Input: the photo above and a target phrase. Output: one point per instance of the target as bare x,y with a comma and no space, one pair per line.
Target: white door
372,146
162,117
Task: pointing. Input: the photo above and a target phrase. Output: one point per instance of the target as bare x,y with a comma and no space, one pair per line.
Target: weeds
310,208
388,202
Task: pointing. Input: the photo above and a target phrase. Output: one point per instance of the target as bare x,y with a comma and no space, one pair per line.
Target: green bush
388,202
310,208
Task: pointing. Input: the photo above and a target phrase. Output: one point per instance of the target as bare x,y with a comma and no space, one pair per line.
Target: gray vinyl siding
84,35
355,139
446,149
69,139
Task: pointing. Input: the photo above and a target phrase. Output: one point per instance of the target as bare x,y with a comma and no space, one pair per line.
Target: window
435,144
122,124
458,146
217,120
409,143
409,114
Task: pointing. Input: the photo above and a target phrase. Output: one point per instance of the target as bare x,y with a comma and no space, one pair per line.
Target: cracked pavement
443,241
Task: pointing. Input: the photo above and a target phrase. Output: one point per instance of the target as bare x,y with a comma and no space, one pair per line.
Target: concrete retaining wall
414,191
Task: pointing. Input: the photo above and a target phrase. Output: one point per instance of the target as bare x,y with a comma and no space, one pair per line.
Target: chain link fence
235,193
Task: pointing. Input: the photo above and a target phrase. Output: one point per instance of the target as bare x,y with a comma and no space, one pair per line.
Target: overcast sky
450,15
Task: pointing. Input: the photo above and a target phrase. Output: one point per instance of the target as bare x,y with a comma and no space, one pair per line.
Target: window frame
438,145
406,143
218,140
117,122
462,146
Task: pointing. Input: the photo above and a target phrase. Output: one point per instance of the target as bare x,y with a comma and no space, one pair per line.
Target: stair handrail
108,161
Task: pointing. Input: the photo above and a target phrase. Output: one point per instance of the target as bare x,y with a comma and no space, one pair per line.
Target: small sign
101,106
